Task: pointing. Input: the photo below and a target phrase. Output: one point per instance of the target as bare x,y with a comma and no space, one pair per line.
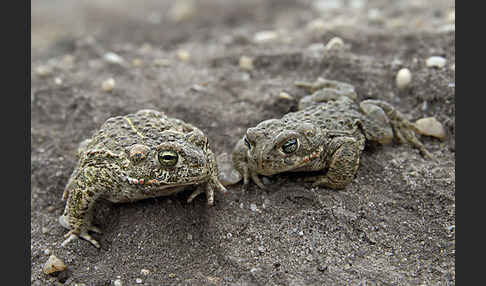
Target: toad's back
143,127
332,115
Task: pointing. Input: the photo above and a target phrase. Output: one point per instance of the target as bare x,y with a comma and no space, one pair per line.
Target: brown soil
393,225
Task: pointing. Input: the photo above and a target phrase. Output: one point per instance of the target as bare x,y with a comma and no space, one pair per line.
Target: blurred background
167,23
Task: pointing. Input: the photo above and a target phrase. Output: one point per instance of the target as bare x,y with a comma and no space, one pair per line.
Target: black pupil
290,145
168,157
247,143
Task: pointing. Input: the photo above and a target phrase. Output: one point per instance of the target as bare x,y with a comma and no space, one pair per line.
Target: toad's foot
72,235
403,130
209,190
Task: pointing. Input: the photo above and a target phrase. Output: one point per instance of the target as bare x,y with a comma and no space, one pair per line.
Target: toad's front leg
77,216
83,189
240,163
342,163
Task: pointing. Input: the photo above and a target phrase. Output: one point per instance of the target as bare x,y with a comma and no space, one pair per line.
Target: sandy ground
393,225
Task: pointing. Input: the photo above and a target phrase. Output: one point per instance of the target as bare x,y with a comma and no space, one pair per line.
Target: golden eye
290,146
168,158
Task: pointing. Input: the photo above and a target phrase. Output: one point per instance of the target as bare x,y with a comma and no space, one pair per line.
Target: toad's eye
290,146
168,158
247,143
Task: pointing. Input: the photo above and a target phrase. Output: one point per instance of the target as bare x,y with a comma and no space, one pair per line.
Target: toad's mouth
161,184
302,163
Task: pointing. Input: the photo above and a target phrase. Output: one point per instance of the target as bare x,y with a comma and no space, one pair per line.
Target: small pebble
138,280
375,15
183,55
108,85
53,264
451,16
261,249
326,5
181,10
189,237
145,272
172,275
403,78
113,58
437,62
285,96
118,282
335,43
43,70
47,251
431,127
453,67
58,81
44,230
265,36
253,207
51,209
246,63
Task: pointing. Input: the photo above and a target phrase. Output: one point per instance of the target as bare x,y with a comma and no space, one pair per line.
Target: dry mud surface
393,225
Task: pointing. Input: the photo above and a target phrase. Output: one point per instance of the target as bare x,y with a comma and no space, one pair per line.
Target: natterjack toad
133,157
327,134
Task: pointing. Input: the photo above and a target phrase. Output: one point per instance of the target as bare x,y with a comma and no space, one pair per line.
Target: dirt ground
393,225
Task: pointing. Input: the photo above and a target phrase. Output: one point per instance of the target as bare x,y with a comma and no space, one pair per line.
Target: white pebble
246,63
326,5
113,58
374,15
118,282
286,96
183,55
108,85
335,43
138,280
265,36
58,81
436,61
451,16
145,272
431,127
53,264
43,70
47,251
403,78
253,207
181,10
